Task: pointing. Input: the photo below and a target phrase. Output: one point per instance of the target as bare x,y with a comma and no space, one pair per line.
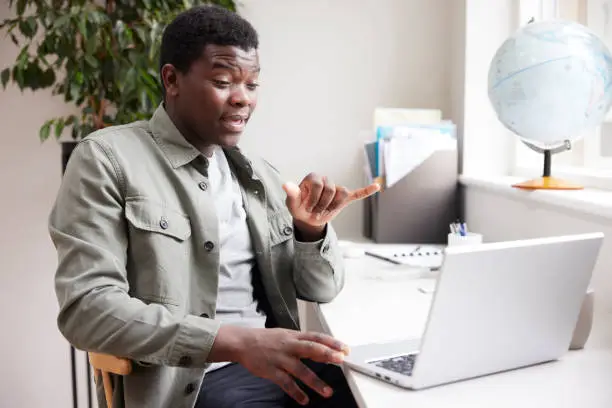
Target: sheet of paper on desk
404,148
417,256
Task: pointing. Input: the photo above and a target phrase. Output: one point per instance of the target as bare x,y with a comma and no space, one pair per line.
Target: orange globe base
547,183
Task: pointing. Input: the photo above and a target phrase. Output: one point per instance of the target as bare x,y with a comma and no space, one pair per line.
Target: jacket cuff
325,249
314,248
194,341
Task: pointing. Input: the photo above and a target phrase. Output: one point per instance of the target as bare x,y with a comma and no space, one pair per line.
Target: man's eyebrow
222,65
225,65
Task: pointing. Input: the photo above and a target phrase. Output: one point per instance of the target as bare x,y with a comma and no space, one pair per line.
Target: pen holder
471,238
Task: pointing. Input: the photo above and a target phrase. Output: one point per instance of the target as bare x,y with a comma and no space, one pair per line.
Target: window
589,162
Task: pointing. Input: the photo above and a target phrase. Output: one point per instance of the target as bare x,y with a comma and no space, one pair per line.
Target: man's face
216,97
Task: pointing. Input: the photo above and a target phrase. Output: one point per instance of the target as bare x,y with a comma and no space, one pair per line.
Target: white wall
326,65
501,217
488,24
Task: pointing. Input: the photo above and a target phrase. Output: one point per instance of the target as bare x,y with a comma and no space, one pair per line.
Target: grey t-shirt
235,302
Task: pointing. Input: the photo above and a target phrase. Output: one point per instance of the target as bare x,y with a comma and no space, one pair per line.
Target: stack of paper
404,139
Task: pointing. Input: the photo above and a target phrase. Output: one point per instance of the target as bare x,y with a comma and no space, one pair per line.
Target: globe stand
547,182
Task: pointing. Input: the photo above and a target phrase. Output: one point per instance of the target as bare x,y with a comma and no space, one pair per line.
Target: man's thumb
293,195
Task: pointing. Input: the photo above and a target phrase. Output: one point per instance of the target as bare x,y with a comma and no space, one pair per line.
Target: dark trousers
233,386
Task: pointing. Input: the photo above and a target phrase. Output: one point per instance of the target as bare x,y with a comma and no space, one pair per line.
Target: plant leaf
60,124
47,78
21,5
5,76
91,61
45,130
61,21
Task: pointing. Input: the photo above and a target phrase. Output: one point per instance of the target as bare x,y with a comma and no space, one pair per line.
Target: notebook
420,256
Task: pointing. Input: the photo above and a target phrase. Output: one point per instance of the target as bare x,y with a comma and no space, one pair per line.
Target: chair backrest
104,365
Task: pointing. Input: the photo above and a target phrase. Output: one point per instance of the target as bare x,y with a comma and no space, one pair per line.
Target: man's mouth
234,123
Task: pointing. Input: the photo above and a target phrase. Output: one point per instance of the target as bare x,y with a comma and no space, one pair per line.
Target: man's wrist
308,233
228,345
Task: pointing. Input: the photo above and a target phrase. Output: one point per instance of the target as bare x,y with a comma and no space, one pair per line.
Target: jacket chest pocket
159,251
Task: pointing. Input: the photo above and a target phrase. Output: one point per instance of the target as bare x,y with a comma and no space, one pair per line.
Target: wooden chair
104,365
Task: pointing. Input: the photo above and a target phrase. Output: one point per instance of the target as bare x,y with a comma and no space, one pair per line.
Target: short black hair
184,39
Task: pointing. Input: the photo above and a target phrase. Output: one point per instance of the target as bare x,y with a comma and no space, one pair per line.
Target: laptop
496,307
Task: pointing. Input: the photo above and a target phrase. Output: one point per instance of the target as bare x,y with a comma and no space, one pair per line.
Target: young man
180,253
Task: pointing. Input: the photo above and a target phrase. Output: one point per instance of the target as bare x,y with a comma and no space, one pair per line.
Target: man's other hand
276,354
316,201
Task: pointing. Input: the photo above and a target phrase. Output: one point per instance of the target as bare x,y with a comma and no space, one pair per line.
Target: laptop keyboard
399,364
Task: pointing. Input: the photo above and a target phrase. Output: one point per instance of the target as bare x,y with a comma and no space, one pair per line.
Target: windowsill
589,201
598,179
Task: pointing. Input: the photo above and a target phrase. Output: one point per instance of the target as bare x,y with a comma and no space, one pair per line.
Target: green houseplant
100,55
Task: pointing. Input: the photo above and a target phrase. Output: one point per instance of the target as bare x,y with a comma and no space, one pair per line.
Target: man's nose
240,96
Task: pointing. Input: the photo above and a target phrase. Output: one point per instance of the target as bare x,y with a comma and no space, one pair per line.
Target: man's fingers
339,200
288,385
293,195
316,352
327,196
299,370
364,192
313,186
325,340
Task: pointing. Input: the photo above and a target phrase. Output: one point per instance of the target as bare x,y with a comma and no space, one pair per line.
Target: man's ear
169,77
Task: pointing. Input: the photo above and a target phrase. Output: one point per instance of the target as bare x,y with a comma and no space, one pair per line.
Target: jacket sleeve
318,268
88,228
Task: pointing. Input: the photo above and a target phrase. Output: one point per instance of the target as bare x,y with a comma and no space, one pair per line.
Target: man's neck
191,137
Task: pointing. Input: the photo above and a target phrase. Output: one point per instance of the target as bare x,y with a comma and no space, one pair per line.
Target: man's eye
252,87
221,84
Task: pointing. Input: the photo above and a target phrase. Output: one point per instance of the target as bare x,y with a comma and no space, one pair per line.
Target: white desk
372,309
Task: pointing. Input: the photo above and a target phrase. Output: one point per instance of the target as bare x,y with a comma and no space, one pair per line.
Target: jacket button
209,246
185,361
189,388
163,223
203,186
287,230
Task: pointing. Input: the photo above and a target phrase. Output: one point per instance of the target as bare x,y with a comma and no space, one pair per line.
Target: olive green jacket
138,248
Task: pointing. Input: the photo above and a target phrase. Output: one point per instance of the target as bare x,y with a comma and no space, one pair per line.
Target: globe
550,82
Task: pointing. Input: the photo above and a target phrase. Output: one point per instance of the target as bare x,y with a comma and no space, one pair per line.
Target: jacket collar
177,149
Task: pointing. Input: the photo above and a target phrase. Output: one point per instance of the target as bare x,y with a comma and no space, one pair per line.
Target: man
180,253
